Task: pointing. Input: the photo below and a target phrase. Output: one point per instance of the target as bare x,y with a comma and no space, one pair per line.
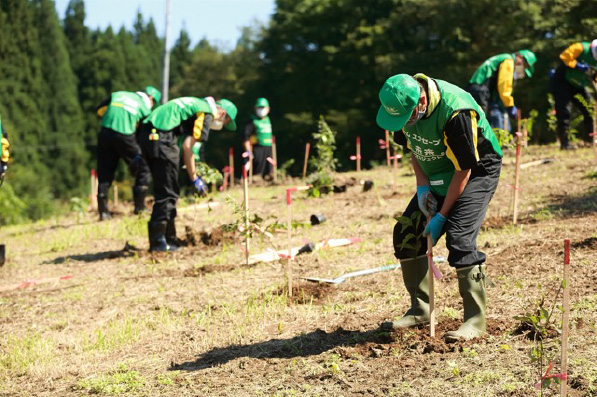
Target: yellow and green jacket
578,52
498,72
454,135
4,144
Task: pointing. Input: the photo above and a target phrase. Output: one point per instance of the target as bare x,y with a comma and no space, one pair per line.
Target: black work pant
260,164
112,146
565,95
162,156
461,228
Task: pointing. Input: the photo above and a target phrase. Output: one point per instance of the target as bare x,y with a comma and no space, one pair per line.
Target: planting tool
2,254
32,282
430,266
307,146
565,315
316,219
272,255
246,195
231,165
344,277
275,155
388,147
536,162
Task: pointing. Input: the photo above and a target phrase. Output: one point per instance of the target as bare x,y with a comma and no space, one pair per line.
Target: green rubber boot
471,284
416,281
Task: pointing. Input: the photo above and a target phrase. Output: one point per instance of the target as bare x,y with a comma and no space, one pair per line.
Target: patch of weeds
332,364
542,215
114,335
470,352
453,369
482,377
20,354
451,313
122,380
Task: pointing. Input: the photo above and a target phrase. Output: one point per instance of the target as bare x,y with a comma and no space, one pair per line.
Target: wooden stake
93,190
517,179
115,192
231,165
246,194
395,168
388,147
358,154
565,315
251,165
275,155
289,261
595,129
430,276
307,146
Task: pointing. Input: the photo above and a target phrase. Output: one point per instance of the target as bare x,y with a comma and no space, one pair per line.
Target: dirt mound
208,237
305,293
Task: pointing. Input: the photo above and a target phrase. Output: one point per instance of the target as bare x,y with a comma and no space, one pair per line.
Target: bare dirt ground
201,323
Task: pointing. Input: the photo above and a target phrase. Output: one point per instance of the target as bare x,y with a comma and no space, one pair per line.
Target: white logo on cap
391,110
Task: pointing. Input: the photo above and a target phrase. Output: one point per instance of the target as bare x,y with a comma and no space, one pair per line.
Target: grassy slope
199,323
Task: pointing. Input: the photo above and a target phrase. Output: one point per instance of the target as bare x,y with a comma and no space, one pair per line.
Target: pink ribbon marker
355,157
539,384
271,161
436,272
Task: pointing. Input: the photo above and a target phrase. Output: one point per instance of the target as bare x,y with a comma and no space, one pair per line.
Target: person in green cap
258,137
189,117
573,78
492,84
4,153
457,161
121,113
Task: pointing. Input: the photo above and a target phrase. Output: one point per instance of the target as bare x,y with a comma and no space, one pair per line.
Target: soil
200,322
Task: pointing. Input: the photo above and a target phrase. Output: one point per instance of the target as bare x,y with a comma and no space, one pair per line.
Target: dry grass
199,323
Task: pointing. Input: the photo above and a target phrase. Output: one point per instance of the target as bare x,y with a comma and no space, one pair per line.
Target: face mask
519,72
418,116
217,125
261,112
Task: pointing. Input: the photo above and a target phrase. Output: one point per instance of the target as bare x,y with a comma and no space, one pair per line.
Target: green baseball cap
261,103
230,111
530,57
153,92
399,97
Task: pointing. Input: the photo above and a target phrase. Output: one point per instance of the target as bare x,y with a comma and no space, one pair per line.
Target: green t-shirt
263,130
173,113
125,111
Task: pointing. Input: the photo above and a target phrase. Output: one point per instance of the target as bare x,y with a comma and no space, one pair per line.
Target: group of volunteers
455,155
457,161
164,143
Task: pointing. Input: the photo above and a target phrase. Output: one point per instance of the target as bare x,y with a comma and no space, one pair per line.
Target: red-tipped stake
517,177
289,262
358,154
275,155
246,192
307,146
565,315
388,147
231,165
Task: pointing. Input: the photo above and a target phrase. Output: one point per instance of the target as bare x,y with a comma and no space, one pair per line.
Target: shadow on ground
312,343
568,206
126,252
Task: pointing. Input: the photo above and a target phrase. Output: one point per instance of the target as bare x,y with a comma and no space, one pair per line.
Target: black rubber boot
157,237
139,193
171,238
102,206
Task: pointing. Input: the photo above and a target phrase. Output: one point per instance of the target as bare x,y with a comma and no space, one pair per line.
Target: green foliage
208,174
13,209
504,137
323,163
411,241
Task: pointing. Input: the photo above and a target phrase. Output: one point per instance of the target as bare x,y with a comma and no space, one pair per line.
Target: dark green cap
231,111
153,92
530,57
399,97
261,103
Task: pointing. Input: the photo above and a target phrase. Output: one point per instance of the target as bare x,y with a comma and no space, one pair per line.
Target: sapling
324,163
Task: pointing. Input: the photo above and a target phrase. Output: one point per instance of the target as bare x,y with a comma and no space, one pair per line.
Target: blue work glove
200,186
427,202
435,226
581,66
513,111
136,164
